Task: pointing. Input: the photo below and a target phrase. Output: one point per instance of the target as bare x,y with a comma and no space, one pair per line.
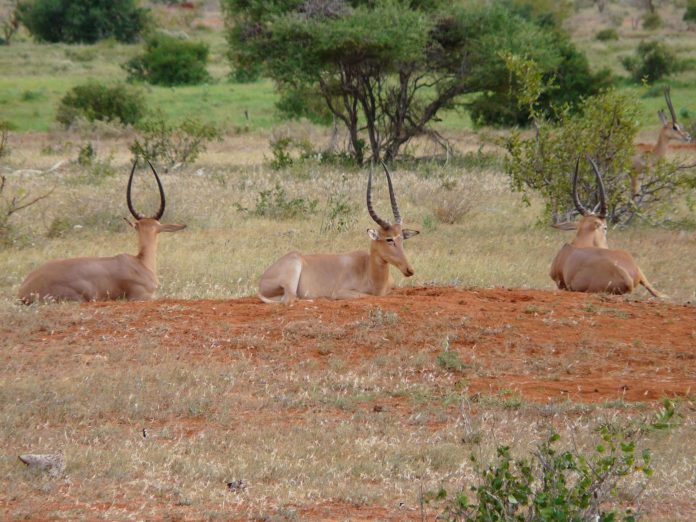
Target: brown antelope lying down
342,276
103,278
671,130
587,264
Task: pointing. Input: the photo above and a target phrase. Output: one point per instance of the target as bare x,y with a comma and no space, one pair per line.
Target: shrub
651,21
606,35
690,13
605,130
83,21
181,143
170,61
556,56
275,204
652,61
10,204
552,485
96,101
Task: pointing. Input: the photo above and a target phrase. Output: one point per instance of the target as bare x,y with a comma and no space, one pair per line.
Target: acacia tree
385,68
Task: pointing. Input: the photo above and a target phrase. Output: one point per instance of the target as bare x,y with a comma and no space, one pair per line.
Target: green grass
36,76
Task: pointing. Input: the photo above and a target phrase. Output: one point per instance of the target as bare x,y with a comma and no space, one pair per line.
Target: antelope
343,276
103,278
641,162
587,264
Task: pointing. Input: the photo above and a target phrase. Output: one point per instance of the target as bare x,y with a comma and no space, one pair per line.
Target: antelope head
672,130
591,230
388,239
148,227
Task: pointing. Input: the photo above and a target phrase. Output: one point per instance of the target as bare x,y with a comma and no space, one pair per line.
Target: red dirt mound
542,345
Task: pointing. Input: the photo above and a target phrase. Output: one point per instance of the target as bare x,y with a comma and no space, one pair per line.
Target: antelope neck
147,251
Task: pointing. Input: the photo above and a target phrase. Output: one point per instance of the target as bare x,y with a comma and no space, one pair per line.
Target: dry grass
223,251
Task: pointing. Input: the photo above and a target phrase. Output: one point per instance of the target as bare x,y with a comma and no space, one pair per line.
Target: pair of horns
135,213
600,185
395,207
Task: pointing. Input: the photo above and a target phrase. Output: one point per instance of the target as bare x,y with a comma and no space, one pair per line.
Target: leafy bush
518,30
652,61
181,143
606,35
170,61
605,130
83,21
690,13
96,101
553,485
652,21
275,204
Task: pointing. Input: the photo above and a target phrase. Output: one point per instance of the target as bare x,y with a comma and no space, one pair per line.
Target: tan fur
587,264
100,278
338,276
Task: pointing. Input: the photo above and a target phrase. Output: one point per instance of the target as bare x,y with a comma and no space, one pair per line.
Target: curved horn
668,99
160,211
583,211
392,196
371,210
136,215
602,191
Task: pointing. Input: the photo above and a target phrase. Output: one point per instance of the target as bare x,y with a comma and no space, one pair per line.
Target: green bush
170,61
181,143
83,21
553,485
604,129
96,101
541,39
690,13
276,204
606,35
652,61
652,21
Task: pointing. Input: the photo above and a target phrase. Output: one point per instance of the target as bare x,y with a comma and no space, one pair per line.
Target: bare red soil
542,345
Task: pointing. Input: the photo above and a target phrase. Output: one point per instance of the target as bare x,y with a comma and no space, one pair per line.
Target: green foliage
181,143
651,21
389,67
287,149
83,21
86,155
553,485
276,204
539,39
97,101
544,164
170,61
690,13
667,417
652,61
447,359
605,130
606,35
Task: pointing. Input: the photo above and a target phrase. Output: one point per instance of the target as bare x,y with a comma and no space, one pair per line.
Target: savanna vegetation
263,134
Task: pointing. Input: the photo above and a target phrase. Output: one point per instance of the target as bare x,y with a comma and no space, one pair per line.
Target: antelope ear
129,222
566,225
663,117
407,233
171,228
374,235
